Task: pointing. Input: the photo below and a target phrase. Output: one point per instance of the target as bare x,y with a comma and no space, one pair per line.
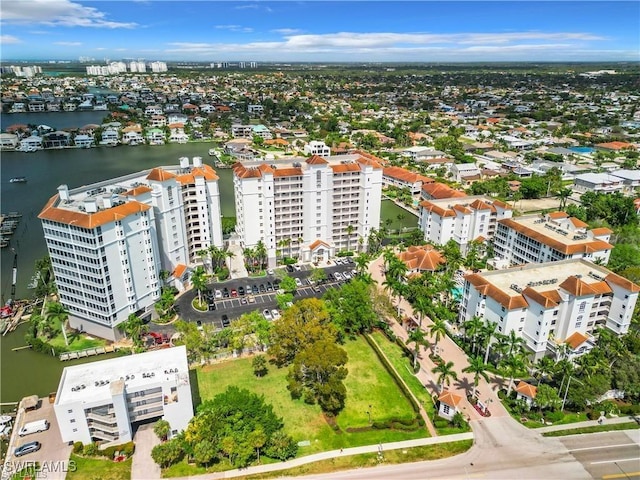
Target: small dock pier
8,224
88,352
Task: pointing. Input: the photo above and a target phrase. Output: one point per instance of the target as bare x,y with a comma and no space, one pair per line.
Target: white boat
18,180
212,152
25,147
5,419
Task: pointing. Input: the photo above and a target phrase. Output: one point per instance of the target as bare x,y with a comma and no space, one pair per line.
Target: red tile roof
523,388
424,258
449,398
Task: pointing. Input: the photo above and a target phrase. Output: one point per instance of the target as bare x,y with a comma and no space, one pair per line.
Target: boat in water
18,180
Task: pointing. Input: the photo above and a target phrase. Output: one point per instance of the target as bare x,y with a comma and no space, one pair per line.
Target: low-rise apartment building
100,401
462,220
311,207
403,178
547,303
315,147
109,241
549,238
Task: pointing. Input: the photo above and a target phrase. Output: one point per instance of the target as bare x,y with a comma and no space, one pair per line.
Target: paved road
607,455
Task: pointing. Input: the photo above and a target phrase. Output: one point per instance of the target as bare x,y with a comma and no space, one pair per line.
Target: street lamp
369,413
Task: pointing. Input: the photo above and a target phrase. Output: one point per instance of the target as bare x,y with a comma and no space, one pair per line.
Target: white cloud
234,28
287,31
9,39
56,13
254,6
68,44
388,46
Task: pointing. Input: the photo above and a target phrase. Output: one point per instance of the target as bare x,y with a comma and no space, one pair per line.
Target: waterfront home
18,107
177,134
177,118
37,106
241,131
132,135
155,136
84,141
110,137
8,141
31,143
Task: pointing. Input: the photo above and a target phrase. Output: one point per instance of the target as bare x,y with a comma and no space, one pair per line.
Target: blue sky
384,31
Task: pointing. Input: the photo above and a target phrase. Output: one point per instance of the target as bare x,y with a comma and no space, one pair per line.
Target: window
446,409
73,420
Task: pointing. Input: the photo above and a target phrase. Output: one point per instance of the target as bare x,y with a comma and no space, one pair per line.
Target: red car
234,293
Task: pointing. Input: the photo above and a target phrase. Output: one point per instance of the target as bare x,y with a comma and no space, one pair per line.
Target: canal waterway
55,120
26,372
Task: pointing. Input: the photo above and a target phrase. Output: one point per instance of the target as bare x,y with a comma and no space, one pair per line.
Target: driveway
143,465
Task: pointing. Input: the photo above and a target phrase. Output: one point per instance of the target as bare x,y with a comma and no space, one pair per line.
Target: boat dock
89,352
8,224
14,321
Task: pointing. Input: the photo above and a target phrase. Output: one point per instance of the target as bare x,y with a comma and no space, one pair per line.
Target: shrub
110,452
127,449
554,416
440,423
630,409
223,274
91,450
593,414
77,447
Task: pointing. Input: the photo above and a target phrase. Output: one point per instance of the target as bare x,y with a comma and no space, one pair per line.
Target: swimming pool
456,293
582,149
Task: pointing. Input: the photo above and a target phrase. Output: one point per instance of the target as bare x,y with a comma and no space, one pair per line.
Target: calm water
55,120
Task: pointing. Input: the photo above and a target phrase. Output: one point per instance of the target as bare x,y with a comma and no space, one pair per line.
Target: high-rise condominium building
308,207
548,304
109,241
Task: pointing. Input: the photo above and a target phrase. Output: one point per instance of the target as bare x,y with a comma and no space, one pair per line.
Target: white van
34,427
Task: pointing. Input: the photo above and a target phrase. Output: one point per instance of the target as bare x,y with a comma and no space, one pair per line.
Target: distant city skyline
319,31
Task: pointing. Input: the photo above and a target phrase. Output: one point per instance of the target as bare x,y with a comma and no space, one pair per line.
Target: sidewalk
296,462
588,423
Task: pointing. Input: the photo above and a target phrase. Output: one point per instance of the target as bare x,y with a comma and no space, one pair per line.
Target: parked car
289,268
262,288
251,299
297,267
199,325
346,275
212,306
241,290
270,272
298,282
267,314
234,293
338,276
27,448
225,321
218,294
225,292
349,260
42,425
275,314
269,287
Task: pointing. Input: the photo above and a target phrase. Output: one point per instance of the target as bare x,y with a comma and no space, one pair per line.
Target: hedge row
407,393
92,450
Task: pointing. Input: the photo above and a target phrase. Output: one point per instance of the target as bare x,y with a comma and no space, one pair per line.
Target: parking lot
231,299
53,455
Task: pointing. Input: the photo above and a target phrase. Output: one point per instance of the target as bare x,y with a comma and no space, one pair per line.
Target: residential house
598,183
420,259
403,178
155,136
465,173
177,134
319,148
448,404
526,393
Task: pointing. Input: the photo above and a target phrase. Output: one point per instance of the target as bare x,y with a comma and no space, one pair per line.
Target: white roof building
99,401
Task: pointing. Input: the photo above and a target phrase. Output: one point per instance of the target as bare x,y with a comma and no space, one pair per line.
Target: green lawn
367,384
76,342
390,457
403,366
99,468
596,428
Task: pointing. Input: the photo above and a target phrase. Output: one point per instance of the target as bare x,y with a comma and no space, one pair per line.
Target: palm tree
417,338
472,328
199,281
478,368
388,255
422,306
515,345
350,229
362,262
203,254
282,243
56,312
438,330
249,255
134,328
512,365
563,194
544,367
488,330
446,373
261,254
228,254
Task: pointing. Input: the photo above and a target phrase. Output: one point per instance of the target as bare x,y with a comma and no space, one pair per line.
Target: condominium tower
110,241
309,207
546,304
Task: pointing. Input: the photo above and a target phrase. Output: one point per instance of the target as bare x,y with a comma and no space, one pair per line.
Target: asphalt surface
233,307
